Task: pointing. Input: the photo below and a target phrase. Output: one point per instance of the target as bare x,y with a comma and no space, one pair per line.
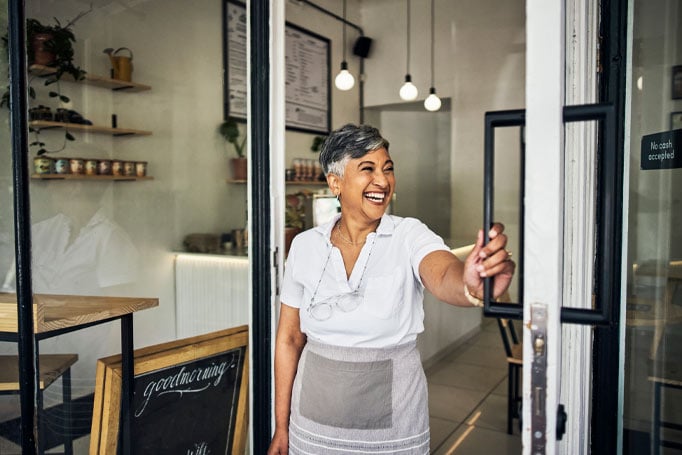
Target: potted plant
50,45
229,130
294,216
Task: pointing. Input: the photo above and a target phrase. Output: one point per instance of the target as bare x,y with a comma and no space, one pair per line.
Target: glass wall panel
653,378
9,400
131,208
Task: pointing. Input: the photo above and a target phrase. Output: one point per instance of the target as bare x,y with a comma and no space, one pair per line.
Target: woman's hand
491,260
280,443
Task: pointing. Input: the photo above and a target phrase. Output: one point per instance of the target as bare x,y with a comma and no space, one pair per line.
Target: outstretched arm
445,276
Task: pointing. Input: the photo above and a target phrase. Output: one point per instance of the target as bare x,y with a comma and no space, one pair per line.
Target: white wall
479,67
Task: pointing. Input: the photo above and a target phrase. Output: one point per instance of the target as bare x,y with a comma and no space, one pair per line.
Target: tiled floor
468,399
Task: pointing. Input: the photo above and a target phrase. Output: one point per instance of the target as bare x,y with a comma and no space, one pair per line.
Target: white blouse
390,308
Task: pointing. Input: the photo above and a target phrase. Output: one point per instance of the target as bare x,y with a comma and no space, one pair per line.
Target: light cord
432,41
407,71
344,30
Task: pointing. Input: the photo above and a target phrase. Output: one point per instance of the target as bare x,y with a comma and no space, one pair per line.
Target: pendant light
408,91
432,102
344,80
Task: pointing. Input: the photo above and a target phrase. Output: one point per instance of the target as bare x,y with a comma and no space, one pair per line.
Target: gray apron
359,400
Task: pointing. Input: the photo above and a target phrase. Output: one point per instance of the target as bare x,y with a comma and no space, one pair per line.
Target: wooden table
57,314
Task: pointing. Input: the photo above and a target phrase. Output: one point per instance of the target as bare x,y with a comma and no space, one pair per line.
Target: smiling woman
359,280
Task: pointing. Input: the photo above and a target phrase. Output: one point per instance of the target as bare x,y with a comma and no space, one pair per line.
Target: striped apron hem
359,401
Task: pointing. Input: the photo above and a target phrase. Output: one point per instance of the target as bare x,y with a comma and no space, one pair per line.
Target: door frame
607,379
545,98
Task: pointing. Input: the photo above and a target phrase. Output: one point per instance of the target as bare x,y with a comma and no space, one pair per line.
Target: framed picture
308,73
235,77
677,82
190,396
676,120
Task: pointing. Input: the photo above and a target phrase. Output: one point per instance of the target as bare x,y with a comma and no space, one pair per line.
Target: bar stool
52,366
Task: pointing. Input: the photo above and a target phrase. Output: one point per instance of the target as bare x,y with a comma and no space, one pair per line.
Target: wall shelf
301,183
119,178
45,124
92,79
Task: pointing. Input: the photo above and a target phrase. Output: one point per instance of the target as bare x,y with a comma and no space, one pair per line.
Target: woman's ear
333,182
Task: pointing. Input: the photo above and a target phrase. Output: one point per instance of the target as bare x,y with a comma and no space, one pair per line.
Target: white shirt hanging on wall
101,255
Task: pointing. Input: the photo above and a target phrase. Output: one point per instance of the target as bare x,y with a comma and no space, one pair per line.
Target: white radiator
211,293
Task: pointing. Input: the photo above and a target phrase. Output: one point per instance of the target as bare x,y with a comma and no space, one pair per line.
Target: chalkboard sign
190,397
188,408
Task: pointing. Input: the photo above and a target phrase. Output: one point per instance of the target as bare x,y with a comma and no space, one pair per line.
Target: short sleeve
292,290
421,241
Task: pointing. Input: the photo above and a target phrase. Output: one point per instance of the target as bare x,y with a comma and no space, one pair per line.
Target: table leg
125,434
68,417
656,436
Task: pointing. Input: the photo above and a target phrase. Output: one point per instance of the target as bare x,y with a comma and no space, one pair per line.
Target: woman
348,377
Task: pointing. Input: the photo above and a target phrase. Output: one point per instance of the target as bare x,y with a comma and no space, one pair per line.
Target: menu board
234,60
307,67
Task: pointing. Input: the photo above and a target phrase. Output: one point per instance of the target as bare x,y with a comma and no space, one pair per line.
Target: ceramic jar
116,167
104,167
128,168
61,166
77,165
90,167
141,168
42,165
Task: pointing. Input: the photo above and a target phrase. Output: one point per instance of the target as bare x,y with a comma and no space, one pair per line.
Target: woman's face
367,185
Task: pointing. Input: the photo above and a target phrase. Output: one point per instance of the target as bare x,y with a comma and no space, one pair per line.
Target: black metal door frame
606,345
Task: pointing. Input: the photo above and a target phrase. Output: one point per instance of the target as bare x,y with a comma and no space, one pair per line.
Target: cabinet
95,81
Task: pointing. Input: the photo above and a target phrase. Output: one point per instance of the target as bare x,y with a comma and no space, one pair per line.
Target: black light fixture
408,91
344,80
432,102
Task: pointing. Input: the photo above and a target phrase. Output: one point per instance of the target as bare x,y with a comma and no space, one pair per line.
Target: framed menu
307,66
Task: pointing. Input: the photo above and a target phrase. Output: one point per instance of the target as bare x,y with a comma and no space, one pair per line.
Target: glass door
652,401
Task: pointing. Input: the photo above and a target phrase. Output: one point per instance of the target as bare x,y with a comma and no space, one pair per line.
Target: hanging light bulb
344,80
408,91
432,102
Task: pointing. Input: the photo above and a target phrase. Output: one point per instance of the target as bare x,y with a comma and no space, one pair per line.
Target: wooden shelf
45,124
301,183
119,178
92,79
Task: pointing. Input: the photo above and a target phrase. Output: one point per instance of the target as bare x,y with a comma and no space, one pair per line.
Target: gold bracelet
475,301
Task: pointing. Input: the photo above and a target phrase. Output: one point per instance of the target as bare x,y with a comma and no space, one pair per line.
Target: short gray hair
346,143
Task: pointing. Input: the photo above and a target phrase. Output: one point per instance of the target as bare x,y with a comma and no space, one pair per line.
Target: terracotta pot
42,56
239,169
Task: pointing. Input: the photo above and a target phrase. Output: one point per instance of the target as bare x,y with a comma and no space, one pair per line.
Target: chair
513,348
660,311
664,377
52,366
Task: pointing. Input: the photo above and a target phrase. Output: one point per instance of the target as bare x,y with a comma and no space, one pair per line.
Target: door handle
606,275
499,119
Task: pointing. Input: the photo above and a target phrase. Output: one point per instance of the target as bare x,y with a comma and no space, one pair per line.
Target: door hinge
275,264
561,418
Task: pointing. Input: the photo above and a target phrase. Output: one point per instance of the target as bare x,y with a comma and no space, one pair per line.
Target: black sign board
662,150
188,408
